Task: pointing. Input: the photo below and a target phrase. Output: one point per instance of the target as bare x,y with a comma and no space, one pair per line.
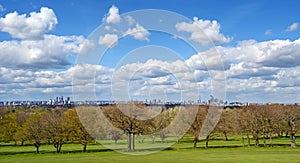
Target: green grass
183,155
219,151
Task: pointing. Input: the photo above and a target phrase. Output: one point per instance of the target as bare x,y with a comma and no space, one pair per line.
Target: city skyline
258,43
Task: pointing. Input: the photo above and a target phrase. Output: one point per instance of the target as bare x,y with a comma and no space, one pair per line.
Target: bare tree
291,115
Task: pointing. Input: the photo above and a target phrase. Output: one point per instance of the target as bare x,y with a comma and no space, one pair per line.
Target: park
263,133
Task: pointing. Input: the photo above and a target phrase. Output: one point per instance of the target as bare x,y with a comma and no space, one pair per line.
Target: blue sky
257,41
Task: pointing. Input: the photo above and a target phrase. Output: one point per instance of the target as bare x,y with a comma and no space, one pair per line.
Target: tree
291,115
211,119
156,125
116,135
53,128
196,125
251,121
33,129
21,117
133,119
125,121
226,123
74,129
8,127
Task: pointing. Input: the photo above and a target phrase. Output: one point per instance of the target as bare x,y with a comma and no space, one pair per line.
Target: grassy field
219,151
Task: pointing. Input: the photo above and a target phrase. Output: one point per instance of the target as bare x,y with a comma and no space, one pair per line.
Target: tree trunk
292,134
84,147
58,146
206,141
279,134
248,138
195,142
133,145
59,149
37,149
264,139
256,139
271,141
37,146
293,140
243,140
129,141
153,139
226,137
286,134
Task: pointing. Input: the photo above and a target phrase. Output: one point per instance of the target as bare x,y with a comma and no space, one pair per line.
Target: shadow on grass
53,152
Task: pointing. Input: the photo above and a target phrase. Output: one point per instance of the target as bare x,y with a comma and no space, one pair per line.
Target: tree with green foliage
33,129
74,129
9,127
53,128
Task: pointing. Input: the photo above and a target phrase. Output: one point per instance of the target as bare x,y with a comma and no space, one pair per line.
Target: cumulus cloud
109,40
113,15
205,32
274,53
138,32
292,27
50,52
47,82
33,26
243,71
288,77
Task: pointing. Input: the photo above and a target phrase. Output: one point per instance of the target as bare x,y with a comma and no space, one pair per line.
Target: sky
137,50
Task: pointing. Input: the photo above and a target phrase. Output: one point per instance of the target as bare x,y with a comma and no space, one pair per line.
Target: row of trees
51,126
134,120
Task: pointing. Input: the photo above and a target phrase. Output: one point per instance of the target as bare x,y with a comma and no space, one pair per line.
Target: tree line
83,125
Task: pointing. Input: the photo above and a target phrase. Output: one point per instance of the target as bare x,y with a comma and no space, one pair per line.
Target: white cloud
50,52
274,53
2,8
49,84
292,27
33,26
139,33
243,71
86,46
113,15
130,20
205,32
268,32
109,40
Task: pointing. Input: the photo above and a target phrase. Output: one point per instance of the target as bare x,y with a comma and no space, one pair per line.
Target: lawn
219,151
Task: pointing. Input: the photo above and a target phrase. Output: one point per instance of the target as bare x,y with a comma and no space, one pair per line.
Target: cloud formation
113,15
205,32
2,8
268,32
33,26
109,40
292,27
50,52
138,32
